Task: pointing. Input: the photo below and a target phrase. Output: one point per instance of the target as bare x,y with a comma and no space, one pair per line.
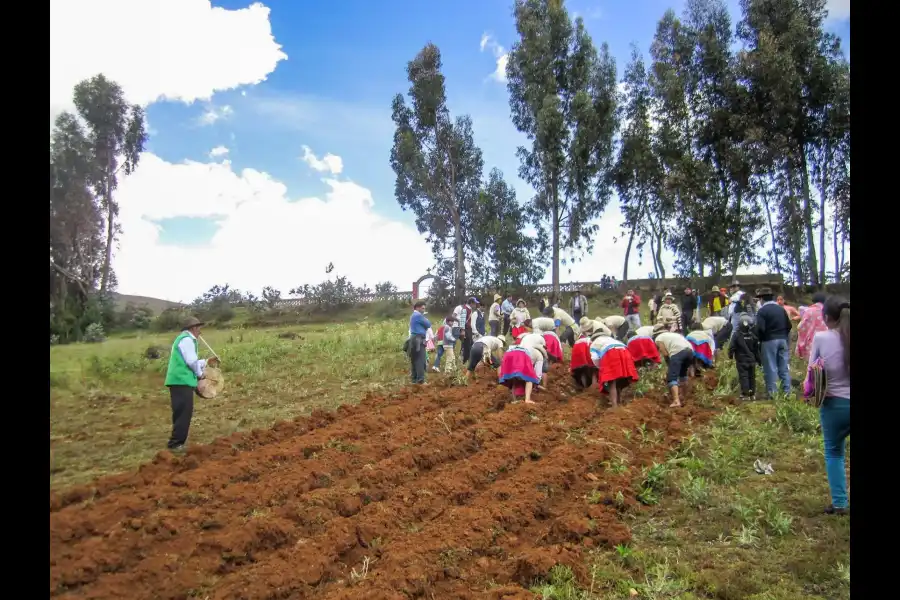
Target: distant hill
156,305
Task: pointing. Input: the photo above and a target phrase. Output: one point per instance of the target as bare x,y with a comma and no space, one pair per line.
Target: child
615,366
745,350
679,354
642,348
581,366
704,349
450,325
486,349
519,370
519,315
439,344
429,343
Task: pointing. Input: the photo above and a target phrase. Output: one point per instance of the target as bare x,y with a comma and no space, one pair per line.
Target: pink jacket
812,322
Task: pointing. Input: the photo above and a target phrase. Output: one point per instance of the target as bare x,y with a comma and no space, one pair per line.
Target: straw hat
191,322
502,338
587,327
212,383
497,297
521,301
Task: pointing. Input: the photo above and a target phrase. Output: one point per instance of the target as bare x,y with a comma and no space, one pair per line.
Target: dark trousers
495,328
466,346
723,336
417,358
577,314
182,410
747,377
505,324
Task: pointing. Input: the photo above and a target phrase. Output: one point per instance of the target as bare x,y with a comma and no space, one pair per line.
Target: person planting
570,329
618,325
546,327
519,370
536,340
719,328
832,348
595,325
581,366
744,349
642,347
615,365
488,350
184,370
679,354
704,349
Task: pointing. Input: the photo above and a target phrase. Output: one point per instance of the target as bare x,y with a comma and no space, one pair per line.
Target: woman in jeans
833,347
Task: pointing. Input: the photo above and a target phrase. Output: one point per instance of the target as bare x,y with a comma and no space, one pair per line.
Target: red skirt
517,369
581,357
517,331
643,348
617,363
703,352
554,349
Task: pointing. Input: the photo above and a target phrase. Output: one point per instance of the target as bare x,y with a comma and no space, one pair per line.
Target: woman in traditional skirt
616,366
704,349
581,366
546,327
518,318
519,370
642,347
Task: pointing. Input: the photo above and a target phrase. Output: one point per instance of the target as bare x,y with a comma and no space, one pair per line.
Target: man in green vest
184,370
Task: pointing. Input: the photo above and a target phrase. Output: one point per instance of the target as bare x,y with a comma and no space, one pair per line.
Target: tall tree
637,170
117,136
505,256
563,97
437,164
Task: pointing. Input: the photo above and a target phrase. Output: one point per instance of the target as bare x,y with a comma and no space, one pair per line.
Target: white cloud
329,163
211,114
218,151
265,237
838,10
500,55
184,50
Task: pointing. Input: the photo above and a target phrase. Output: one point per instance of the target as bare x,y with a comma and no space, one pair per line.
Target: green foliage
170,319
94,334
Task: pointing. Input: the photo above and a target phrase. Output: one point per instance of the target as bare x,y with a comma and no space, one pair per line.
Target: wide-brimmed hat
497,297
587,328
502,338
191,322
735,283
763,292
668,295
715,290
521,301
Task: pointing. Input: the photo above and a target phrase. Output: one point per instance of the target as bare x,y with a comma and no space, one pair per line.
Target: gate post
415,294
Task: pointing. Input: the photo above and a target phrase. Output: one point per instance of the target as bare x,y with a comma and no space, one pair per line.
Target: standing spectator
792,312
833,348
631,304
669,314
773,328
506,309
494,316
451,330
439,345
519,316
655,302
182,374
418,326
468,328
688,306
744,349
578,306
812,322
717,302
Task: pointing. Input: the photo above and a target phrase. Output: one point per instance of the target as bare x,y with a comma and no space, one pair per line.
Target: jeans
634,321
775,366
437,357
835,417
506,327
495,328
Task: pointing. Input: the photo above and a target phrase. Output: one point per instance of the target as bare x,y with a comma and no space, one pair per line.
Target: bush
94,334
170,319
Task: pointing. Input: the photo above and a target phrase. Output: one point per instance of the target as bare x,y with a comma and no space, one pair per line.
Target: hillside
157,305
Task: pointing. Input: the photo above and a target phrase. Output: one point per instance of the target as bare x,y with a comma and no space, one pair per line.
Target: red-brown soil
375,501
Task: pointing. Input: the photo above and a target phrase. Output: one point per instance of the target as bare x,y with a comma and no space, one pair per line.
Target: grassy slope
157,305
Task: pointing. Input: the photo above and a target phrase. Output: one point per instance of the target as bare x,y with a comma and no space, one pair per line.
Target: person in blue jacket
418,325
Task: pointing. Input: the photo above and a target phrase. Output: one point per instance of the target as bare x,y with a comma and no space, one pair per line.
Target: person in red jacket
631,306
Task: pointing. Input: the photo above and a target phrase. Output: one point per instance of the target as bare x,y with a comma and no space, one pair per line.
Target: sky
270,129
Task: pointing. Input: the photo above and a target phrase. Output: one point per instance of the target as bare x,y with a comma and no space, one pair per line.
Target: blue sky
345,61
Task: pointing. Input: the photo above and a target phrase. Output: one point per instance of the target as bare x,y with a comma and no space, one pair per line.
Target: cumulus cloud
218,151
211,114
185,50
500,55
327,164
264,238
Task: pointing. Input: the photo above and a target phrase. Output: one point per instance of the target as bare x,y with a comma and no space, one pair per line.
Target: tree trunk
555,225
659,262
825,171
736,251
110,226
765,193
460,283
837,257
808,221
628,255
653,255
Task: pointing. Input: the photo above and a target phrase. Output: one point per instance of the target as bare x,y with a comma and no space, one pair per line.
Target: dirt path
428,493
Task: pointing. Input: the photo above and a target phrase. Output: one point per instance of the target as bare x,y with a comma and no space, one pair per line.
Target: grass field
699,521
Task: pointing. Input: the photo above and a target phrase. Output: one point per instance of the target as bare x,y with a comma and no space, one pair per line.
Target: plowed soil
434,492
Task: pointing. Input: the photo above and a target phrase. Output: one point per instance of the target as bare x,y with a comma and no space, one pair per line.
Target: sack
406,345
212,383
815,384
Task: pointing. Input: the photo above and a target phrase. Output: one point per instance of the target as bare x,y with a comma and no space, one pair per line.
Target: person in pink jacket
812,322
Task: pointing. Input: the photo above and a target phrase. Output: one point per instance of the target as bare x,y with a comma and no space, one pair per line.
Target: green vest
178,372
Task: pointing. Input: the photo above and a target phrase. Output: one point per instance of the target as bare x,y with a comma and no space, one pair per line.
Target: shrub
170,319
94,334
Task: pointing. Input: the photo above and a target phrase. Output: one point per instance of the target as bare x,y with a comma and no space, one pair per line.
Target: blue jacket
418,324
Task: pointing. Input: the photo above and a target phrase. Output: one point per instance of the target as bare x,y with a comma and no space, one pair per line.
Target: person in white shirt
487,349
618,325
494,316
519,315
537,341
595,325
615,366
720,330
570,329
679,355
